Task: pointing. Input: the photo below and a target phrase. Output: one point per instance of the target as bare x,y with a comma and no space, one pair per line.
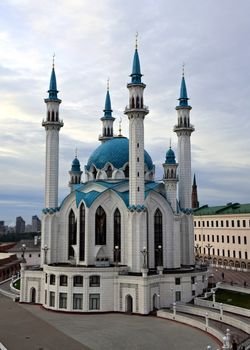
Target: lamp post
209,246
45,249
144,253
23,249
116,251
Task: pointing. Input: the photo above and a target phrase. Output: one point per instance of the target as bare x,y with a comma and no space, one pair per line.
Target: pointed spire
52,86
183,91
194,181
107,109
136,70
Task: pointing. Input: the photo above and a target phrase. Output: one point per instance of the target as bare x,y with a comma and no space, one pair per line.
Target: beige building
222,234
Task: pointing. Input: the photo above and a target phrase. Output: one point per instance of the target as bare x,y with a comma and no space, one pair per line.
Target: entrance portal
33,295
129,304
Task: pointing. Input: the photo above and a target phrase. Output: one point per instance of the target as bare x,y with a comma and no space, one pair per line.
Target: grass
17,284
232,298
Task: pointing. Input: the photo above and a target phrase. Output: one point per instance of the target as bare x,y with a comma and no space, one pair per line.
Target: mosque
120,241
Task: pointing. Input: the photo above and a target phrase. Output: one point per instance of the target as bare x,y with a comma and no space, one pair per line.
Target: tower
195,202
75,173
52,126
107,119
136,112
184,130
170,177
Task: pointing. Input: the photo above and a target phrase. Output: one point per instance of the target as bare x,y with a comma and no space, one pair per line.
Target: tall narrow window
72,233
158,238
126,171
109,171
82,232
117,236
100,226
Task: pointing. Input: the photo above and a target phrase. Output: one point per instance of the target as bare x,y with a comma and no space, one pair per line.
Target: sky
94,40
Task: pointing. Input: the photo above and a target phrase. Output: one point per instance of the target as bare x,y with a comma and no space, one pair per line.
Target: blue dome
75,165
170,157
116,152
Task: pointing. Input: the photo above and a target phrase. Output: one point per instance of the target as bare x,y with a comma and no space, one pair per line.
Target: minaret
52,126
107,119
136,112
184,130
75,173
170,177
195,202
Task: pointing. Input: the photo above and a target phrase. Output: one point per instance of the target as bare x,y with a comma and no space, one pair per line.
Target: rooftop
229,208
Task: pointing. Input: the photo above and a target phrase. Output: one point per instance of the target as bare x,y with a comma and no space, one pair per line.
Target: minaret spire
107,119
195,202
184,130
52,126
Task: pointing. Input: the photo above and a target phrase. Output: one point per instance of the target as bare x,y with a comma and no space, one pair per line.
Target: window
72,234
78,281
138,189
195,237
158,238
63,280
223,252
199,237
212,238
232,223
228,253
94,301
177,281
222,239
193,292
199,223
138,159
138,174
30,255
39,255
221,223
126,171
227,223
218,238
217,223
213,251
239,255
244,223
234,253
207,223
117,235
63,300
77,301
82,232
45,297
238,223
94,281
218,251
245,239
208,238
203,278
195,224
178,296
246,256
52,299
203,223
52,279
212,223
233,237
193,279
109,171
228,239
100,226
203,237
137,145
239,240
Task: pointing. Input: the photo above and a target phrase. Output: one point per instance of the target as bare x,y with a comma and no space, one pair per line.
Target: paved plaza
25,327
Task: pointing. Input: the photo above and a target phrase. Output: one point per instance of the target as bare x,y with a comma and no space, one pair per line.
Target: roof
136,70
183,99
107,109
30,246
116,152
230,208
75,165
170,157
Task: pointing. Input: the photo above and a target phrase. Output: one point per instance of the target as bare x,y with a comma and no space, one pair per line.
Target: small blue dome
115,152
75,165
170,157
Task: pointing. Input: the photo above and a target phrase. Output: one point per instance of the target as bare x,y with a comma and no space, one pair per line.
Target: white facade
119,241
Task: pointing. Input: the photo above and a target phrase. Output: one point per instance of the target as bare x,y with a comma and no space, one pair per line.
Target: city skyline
95,40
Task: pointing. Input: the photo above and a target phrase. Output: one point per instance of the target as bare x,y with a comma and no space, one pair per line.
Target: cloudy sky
94,40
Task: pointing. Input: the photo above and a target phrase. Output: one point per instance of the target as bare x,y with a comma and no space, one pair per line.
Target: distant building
222,234
20,225
9,265
32,251
2,228
36,224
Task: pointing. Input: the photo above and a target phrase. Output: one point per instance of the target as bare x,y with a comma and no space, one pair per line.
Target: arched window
137,102
158,238
72,233
117,236
94,173
82,232
141,102
126,171
109,171
132,102
57,116
53,116
100,226
48,115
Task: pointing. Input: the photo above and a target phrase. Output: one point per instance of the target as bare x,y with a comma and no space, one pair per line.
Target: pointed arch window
94,173
137,102
100,226
109,171
158,238
126,171
72,234
117,235
53,116
82,232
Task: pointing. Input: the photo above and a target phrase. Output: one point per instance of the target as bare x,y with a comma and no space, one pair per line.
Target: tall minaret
184,130
107,119
136,112
75,173
52,126
195,202
170,178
